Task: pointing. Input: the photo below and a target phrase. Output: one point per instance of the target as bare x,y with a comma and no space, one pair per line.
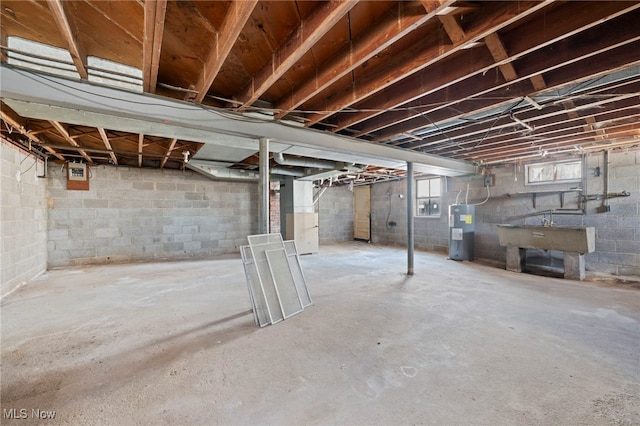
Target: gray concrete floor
458,343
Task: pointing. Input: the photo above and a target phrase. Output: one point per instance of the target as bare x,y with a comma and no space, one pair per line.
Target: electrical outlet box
490,180
77,176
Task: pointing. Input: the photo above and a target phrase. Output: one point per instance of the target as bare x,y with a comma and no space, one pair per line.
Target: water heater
461,230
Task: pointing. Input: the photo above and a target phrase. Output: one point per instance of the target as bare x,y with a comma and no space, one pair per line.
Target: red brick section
274,207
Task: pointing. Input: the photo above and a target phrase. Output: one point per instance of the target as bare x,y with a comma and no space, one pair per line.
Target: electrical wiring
508,110
35,161
220,110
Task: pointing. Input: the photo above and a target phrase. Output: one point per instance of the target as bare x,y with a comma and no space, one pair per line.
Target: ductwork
221,171
286,172
339,169
299,162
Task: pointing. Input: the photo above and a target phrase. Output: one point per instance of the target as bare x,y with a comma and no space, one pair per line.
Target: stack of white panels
277,287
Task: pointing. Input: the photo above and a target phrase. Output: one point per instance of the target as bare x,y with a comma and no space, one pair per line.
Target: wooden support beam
4,57
140,147
414,61
316,25
613,50
553,120
65,134
538,83
395,26
67,27
107,144
571,108
559,23
235,20
452,28
499,53
154,16
16,122
169,151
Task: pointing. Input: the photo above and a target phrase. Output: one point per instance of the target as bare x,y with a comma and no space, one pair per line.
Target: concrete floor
458,343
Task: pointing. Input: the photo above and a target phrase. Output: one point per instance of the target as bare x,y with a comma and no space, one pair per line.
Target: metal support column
263,187
410,234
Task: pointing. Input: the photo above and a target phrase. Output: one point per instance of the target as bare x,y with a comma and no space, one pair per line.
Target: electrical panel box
77,176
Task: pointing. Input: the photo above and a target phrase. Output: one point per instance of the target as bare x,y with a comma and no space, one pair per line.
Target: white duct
286,172
299,162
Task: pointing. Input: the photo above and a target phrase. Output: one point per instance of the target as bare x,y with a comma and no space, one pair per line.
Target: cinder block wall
23,218
134,214
387,207
335,215
617,232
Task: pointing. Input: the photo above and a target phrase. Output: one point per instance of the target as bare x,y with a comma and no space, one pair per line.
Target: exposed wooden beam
613,49
559,23
546,128
395,26
499,53
169,151
571,108
310,30
549,128
3,41
537,81
414,61
525,146
105,140
452,28
65,134
140,147
476,134
154,15
67,27
234,21
16,122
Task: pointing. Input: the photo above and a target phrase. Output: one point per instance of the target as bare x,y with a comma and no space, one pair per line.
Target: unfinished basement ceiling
484,82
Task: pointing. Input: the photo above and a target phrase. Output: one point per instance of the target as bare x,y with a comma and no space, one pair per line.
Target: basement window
553,172
428,193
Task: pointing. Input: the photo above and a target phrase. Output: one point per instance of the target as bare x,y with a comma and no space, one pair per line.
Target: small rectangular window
428,197
556,172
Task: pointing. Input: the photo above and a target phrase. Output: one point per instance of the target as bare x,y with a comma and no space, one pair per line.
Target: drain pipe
263,187
410,234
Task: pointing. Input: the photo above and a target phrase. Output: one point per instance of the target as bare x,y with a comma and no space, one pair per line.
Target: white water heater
461,230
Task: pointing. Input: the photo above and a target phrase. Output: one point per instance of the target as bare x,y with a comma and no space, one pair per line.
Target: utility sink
561,238
573,241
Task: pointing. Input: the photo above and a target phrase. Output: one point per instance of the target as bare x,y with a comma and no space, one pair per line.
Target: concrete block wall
617,232
335,215
23,218
387,207
132,214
